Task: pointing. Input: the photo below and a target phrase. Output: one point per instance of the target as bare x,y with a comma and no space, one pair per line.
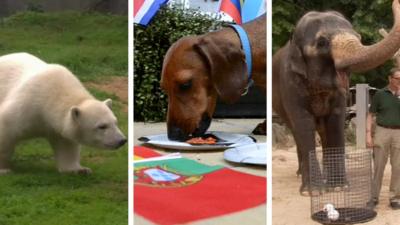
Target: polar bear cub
46,100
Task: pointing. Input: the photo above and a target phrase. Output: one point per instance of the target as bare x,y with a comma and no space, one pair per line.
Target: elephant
311,78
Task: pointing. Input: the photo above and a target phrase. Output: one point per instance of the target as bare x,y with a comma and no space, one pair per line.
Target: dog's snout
203,125
176,133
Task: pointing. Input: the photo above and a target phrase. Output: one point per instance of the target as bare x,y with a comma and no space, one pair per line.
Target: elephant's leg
300,161
334,153
321,129
304,135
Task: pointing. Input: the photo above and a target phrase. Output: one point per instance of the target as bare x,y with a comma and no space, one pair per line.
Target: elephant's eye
322,42
102,126
185,86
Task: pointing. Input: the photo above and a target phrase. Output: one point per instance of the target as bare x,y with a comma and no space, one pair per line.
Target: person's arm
370,119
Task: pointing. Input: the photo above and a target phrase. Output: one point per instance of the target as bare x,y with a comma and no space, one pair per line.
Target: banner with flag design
145,10
243,11
181,190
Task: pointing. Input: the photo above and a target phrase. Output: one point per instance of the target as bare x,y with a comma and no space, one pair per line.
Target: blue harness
244,39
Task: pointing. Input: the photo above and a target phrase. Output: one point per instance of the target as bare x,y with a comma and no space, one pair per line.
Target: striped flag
243,11
144,10
233,8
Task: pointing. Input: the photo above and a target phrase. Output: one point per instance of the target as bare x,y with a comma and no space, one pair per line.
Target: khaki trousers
386,142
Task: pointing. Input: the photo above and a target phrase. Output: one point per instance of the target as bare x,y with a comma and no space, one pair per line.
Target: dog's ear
296,60
227,67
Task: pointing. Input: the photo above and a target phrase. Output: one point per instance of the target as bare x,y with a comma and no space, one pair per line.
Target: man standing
385,107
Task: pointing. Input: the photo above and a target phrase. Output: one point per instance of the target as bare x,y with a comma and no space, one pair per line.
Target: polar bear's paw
5,171
79,170
84,171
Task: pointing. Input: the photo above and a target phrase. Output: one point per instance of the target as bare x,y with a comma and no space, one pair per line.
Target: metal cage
341,180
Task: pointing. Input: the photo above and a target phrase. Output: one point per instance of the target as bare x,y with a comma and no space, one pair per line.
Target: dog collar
244,40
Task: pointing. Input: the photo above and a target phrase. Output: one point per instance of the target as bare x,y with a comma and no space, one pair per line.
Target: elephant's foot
338,182
337,187
304,190
312,190
298,172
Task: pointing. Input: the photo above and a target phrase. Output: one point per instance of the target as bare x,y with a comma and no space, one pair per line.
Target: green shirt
386,106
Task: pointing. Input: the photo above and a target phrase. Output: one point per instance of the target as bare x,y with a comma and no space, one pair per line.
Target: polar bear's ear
75,113
108,102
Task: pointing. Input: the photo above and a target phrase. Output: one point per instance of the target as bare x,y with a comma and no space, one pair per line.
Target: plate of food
254,153
210,141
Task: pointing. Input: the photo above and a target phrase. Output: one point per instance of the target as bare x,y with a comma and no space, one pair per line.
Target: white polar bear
46,100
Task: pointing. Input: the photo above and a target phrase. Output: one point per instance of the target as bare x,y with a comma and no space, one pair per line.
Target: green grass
35,193
89,44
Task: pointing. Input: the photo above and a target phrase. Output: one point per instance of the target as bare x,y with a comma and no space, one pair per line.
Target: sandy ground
253,216
289,208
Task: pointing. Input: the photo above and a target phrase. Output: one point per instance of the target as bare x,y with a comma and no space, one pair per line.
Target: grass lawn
91,45
94,47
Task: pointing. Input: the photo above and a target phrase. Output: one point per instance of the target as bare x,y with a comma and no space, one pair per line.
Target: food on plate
202,141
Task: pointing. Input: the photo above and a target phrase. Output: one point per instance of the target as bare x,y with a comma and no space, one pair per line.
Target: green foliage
151,44
367,18
89,44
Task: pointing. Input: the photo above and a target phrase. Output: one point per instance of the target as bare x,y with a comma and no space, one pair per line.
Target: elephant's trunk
349,54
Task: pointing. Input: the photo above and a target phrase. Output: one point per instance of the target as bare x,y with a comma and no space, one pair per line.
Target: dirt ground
290,208
117,86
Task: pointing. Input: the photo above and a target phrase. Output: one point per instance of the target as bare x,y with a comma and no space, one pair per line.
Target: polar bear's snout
117,141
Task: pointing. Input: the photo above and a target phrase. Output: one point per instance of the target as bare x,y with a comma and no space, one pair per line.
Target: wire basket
341,180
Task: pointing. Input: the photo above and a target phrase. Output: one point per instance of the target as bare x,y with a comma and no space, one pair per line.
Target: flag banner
233,9
177,191
143,152
145,10
252,9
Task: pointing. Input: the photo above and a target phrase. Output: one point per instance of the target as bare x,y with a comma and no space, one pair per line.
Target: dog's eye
185,86
102,126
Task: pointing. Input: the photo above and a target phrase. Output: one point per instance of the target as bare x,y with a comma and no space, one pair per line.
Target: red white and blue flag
233,8
144,10
243,11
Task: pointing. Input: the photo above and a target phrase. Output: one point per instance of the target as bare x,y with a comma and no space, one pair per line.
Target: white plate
251,153
162,141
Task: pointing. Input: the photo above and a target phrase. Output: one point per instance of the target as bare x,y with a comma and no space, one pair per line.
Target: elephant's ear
227,67
296,60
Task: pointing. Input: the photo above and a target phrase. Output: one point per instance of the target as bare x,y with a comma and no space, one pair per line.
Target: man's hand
370,142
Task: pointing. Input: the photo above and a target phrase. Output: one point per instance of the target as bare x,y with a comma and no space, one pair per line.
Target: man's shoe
395,203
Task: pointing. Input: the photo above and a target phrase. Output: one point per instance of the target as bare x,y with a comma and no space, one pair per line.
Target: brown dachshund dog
198,69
